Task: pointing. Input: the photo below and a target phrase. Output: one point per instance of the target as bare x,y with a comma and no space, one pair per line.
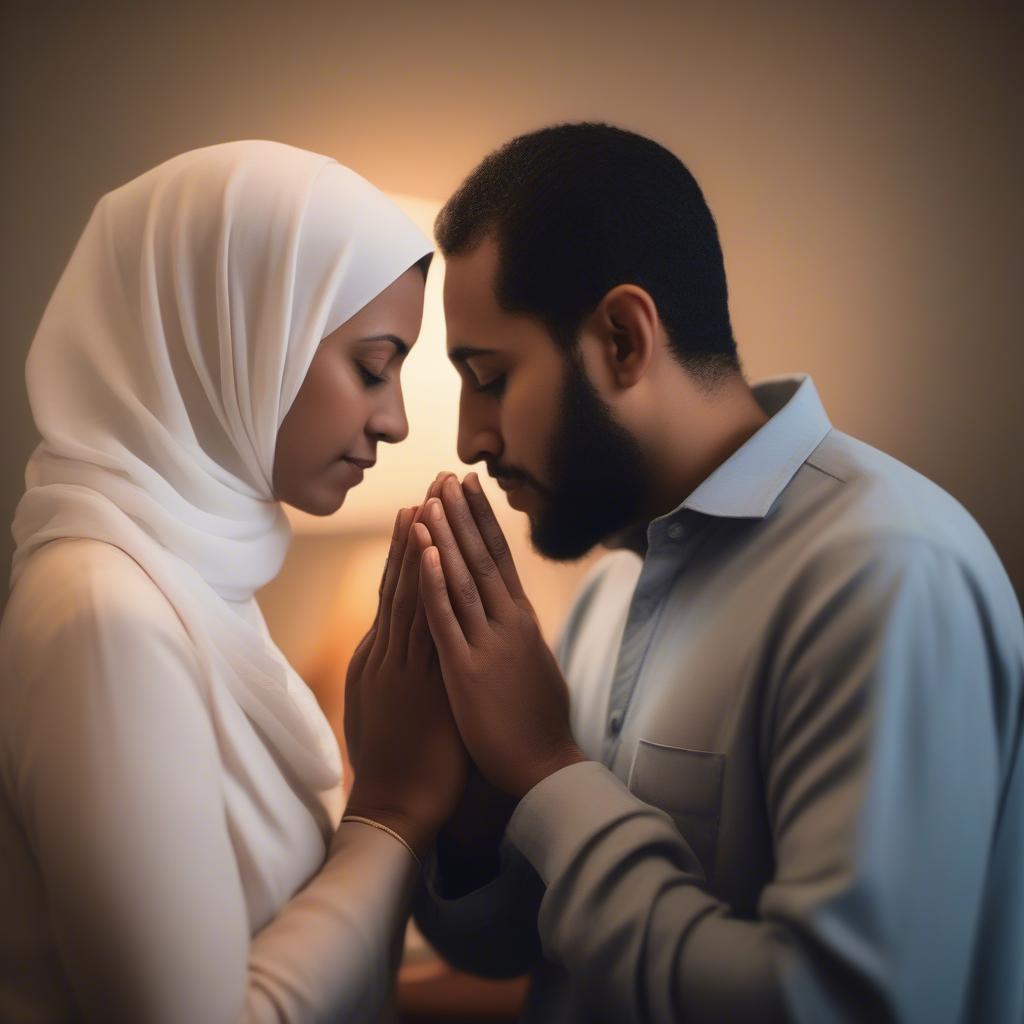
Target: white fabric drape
166,360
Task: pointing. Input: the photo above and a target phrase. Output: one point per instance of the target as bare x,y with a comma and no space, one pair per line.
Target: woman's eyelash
371,380
494,387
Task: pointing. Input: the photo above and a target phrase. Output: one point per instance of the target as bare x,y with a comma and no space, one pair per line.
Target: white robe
123,896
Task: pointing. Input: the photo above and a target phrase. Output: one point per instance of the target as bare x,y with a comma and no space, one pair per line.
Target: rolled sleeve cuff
565,811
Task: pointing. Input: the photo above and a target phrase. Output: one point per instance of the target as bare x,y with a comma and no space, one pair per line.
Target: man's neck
700,435
709,429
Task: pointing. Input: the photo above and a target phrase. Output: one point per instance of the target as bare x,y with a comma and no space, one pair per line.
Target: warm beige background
864,165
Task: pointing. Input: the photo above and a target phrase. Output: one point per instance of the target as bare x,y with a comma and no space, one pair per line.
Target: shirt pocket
686,785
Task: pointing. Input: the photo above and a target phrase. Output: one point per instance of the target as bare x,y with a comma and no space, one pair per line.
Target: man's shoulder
868,499
862,515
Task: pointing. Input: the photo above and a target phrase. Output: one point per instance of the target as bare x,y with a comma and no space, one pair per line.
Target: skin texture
349,402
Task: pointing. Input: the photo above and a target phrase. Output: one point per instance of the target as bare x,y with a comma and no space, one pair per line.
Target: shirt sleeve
115,778
882,786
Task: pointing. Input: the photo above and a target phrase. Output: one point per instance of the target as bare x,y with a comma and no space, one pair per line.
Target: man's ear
625,327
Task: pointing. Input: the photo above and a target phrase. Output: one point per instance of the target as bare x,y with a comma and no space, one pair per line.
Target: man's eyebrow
464,352
400,346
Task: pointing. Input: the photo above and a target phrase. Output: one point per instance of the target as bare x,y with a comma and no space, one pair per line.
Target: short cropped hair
576,209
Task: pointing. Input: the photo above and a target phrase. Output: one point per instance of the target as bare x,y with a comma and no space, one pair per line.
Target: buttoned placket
671,543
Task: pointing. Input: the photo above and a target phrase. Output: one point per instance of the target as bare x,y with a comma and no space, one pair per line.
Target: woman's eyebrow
401,347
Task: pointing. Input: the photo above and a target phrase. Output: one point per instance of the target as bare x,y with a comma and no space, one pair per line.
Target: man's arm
881,831
883,787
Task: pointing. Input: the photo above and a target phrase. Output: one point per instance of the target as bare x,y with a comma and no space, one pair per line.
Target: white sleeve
114,776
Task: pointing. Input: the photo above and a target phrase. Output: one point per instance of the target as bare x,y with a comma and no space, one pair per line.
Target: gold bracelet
390,831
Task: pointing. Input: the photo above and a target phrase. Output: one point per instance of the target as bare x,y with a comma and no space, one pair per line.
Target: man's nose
479,439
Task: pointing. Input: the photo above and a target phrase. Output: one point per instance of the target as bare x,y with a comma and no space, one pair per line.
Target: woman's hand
506,690
409,761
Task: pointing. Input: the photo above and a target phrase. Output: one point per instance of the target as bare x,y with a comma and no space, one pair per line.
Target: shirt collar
746,485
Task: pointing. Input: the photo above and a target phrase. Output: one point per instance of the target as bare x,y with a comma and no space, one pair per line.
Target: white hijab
167,358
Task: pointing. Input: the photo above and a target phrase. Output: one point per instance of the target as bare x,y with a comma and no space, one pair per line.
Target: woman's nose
389,423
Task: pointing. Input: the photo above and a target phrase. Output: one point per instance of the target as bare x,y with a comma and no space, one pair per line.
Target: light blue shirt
804,707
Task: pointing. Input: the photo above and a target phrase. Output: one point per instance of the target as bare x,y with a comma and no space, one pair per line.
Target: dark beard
598,476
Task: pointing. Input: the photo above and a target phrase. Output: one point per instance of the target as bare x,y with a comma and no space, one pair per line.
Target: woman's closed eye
495,386
369,378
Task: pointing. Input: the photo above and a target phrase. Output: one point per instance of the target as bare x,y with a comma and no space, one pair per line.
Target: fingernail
435,508
472,483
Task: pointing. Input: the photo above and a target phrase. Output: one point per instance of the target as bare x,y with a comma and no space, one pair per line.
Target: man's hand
410,763
507,692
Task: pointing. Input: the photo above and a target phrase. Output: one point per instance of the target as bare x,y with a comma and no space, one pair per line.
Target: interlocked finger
489,581
392,569
461,588
421,644
493,535
406,592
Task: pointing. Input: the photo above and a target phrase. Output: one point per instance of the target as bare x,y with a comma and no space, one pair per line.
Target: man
787,781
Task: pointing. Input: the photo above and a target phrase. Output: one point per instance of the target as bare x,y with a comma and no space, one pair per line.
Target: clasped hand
454,662
505,688
410,764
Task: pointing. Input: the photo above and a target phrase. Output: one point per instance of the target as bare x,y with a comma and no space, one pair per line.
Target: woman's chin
324,503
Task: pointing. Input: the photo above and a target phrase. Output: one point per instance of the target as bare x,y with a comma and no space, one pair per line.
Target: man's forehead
476,323
471,309
469,280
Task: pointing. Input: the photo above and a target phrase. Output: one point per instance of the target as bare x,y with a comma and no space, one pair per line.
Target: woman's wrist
418,834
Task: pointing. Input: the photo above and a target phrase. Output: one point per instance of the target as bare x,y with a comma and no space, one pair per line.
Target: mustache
495,469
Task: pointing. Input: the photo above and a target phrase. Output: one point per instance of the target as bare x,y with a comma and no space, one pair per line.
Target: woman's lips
357,466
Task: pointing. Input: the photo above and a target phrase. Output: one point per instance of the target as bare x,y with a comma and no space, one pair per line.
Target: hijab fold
169,354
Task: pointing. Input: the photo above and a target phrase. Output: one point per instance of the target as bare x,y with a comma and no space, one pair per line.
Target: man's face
529,412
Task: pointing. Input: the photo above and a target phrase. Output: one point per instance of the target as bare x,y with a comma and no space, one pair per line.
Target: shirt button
615,723
675,531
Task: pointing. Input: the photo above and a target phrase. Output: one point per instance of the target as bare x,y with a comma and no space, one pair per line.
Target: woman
228,333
